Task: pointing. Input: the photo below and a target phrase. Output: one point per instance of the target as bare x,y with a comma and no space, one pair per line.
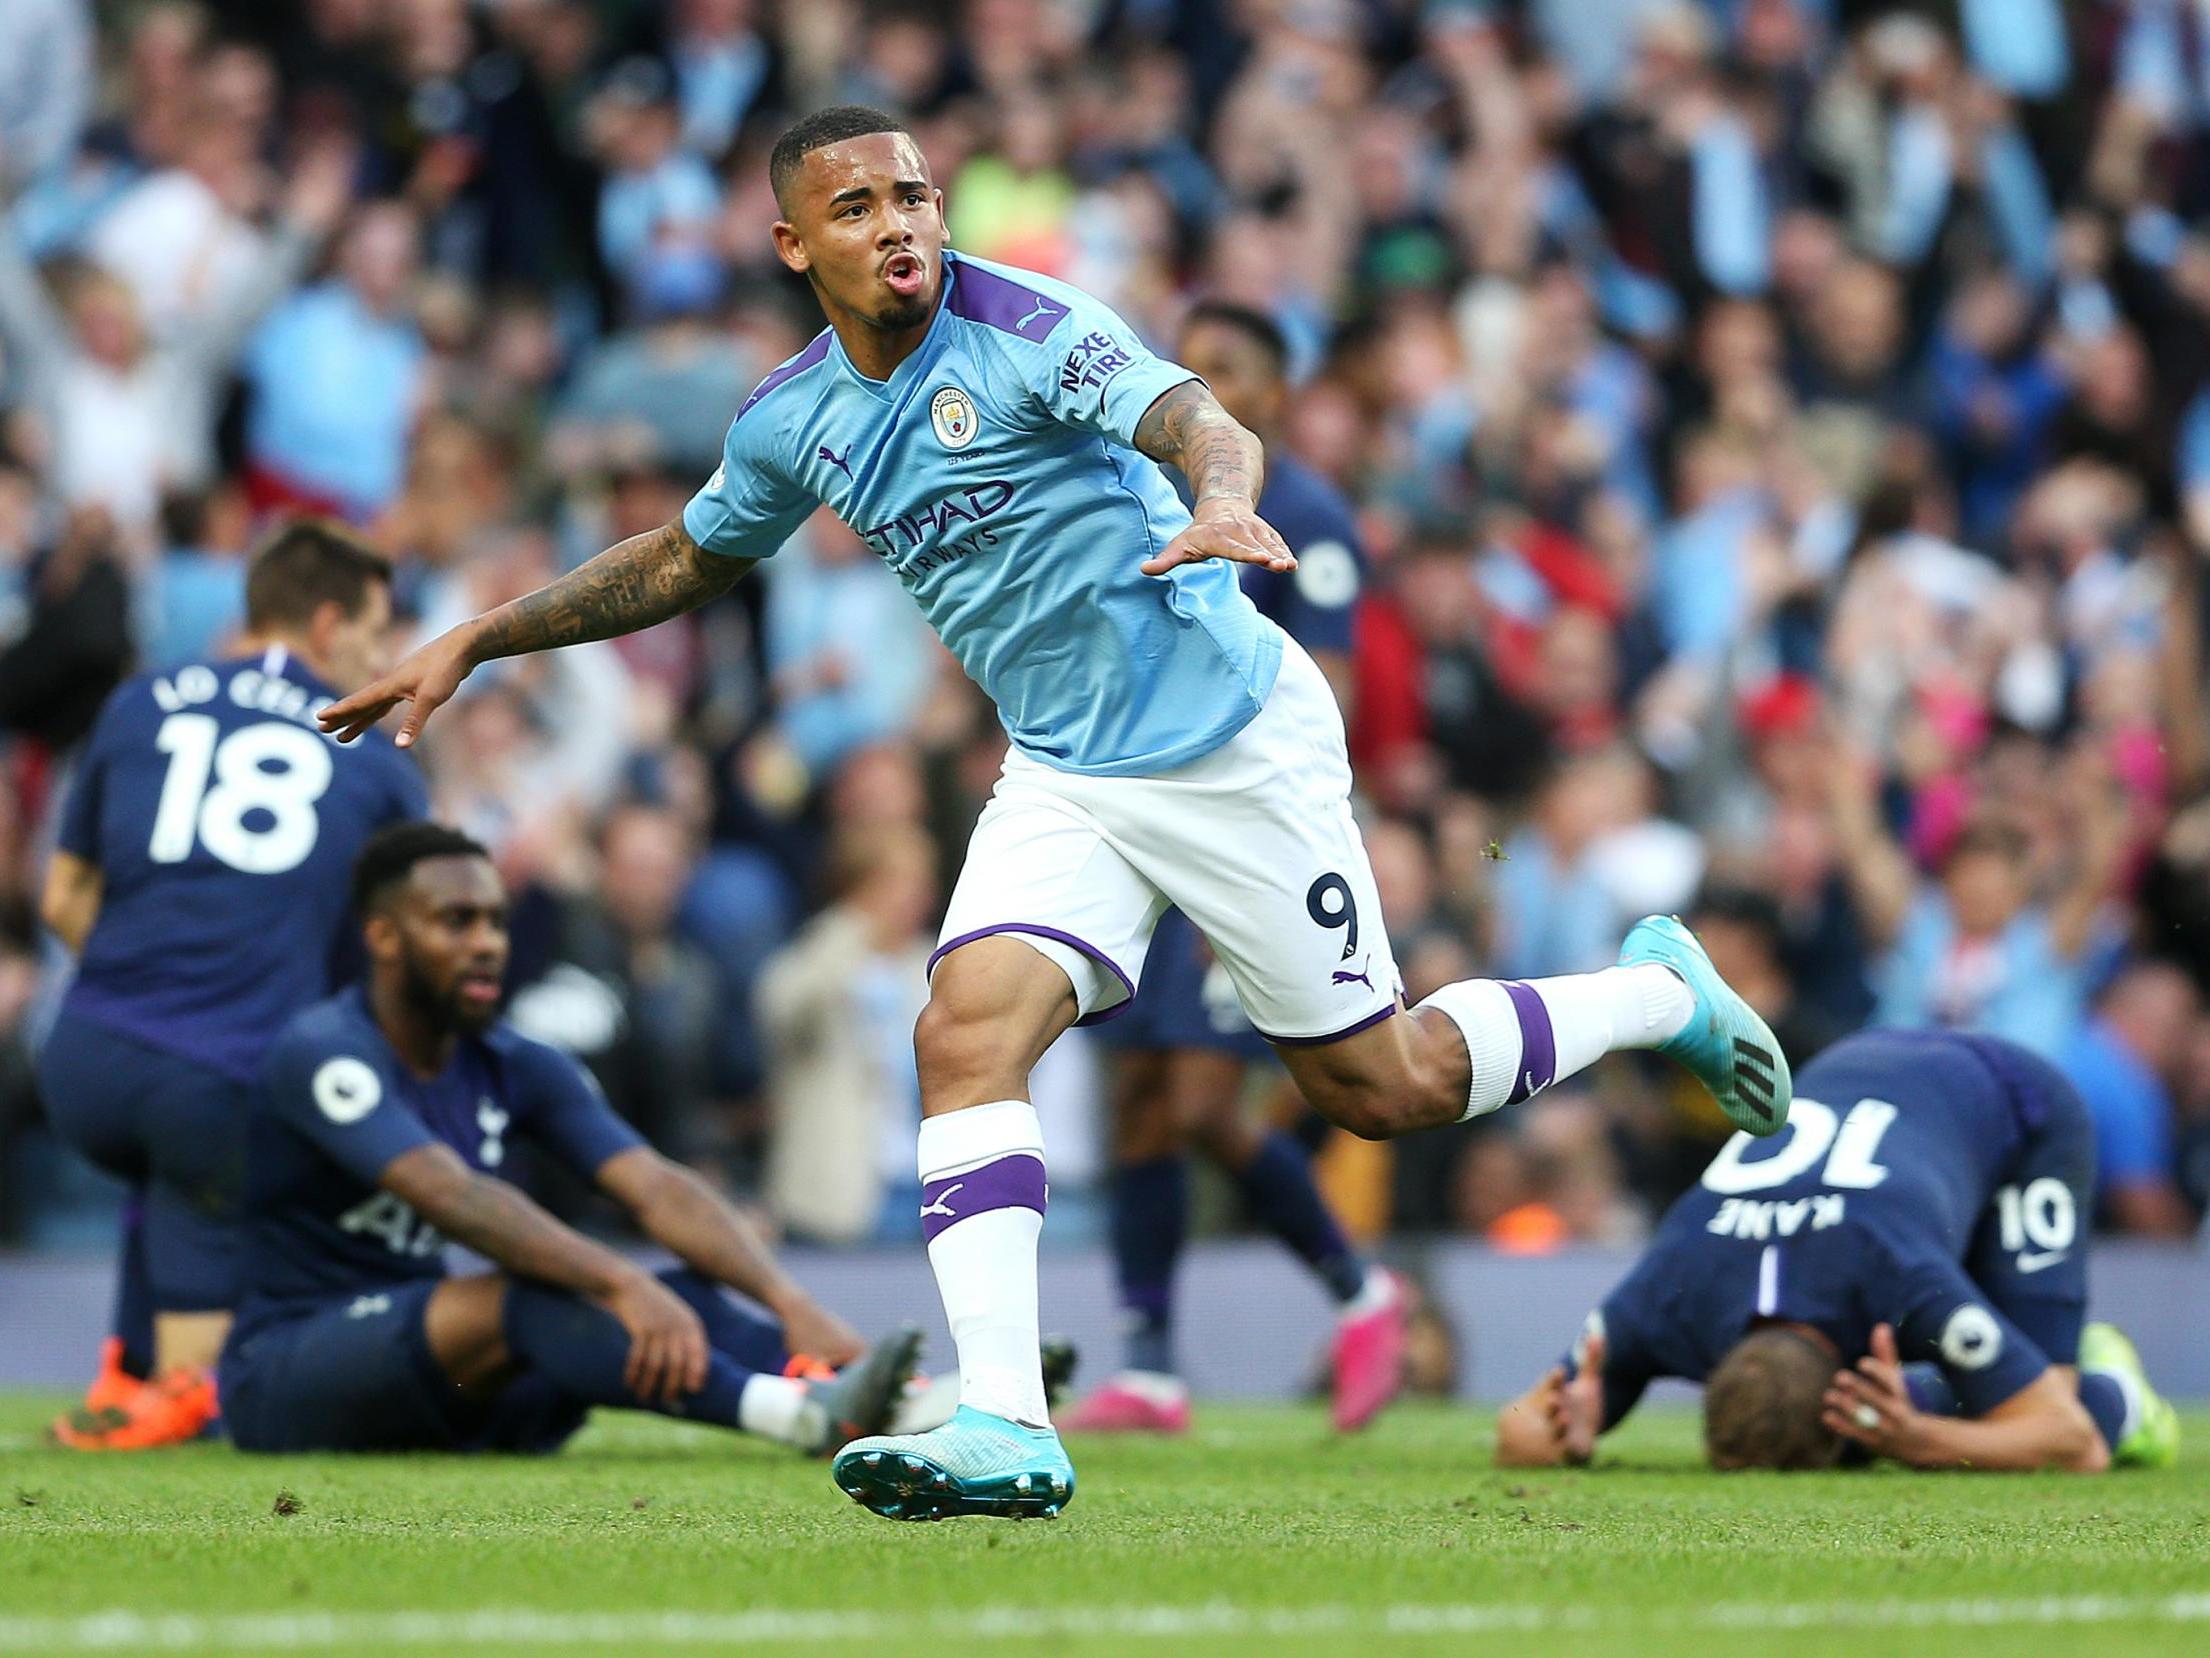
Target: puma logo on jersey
1044,308
840,462
1342,977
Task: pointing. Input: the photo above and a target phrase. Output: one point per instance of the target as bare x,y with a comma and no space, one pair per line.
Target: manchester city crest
952,413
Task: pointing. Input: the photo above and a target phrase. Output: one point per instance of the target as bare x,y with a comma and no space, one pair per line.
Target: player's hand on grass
1577,1403
427,679
667,1343
1225,527
811,1329
1871,1406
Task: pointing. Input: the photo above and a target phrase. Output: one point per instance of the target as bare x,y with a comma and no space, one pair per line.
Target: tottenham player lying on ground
200,875
998,438
1903,1274
385,1117
1182,1046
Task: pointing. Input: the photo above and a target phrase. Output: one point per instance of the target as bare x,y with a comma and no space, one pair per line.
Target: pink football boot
1369,1351
1135,1401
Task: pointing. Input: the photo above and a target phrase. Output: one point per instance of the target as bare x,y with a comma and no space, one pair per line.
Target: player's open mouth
904,273
480,988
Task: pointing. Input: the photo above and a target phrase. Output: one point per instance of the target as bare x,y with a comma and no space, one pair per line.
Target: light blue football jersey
993,471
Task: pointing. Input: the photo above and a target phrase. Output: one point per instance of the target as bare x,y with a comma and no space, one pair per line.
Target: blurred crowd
1779,432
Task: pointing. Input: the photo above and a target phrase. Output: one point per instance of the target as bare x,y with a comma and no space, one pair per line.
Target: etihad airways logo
952,527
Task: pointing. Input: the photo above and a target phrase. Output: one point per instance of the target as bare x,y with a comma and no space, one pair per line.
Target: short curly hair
388,857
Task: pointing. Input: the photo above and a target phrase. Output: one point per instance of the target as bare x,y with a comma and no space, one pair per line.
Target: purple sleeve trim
1057,936
811,357
1367,1023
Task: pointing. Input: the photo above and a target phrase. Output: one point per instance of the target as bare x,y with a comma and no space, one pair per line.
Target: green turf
1262,1512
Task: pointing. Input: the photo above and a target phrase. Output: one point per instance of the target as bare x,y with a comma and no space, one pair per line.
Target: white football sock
982,1199
1522,1037
780,1408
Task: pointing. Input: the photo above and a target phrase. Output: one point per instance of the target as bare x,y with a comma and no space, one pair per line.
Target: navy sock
1150,1223
1277,1185
583,1350
737,1332
132,1322
2104,1397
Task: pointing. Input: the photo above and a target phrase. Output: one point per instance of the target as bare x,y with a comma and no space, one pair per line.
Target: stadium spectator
2123,1062
627,994
1975,950
1780,434
337,376
128,409
836,1006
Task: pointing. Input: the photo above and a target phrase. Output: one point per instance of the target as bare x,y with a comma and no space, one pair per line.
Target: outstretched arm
684,1215
1225,464
631,586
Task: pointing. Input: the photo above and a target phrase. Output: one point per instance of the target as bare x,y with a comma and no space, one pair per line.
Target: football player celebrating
998,439
1904,1271
386,1115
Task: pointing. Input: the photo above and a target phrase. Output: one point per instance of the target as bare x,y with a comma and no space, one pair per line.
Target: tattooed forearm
630,586
1187,428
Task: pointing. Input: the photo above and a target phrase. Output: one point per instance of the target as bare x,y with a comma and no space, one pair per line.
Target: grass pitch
1261,1532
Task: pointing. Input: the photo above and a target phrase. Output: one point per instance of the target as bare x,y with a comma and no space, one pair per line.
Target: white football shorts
1255,843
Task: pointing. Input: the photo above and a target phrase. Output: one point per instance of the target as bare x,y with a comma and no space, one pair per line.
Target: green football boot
974,1464
1728,1048
2154,1440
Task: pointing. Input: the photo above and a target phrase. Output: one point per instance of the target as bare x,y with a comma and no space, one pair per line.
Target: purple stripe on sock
1538,1045
1015,1182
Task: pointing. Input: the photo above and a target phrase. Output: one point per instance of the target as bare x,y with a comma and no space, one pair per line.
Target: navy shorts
172,1129
1183,1001
2028,1253
356,1374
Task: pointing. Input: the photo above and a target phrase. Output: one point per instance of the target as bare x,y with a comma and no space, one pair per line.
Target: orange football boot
174,1410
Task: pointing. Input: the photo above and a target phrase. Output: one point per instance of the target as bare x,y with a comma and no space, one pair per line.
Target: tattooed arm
630,586
1188,429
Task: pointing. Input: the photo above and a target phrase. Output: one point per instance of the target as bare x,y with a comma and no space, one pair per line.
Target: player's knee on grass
1763,1403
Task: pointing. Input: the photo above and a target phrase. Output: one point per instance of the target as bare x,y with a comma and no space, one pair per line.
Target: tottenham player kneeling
386,1118
1904,1274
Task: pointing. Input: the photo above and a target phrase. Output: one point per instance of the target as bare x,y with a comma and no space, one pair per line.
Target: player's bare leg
479,1338
192,1341
994,1006
1484,1043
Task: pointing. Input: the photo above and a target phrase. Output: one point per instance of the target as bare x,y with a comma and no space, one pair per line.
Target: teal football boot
1727,1047
2153,1441
974,1464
